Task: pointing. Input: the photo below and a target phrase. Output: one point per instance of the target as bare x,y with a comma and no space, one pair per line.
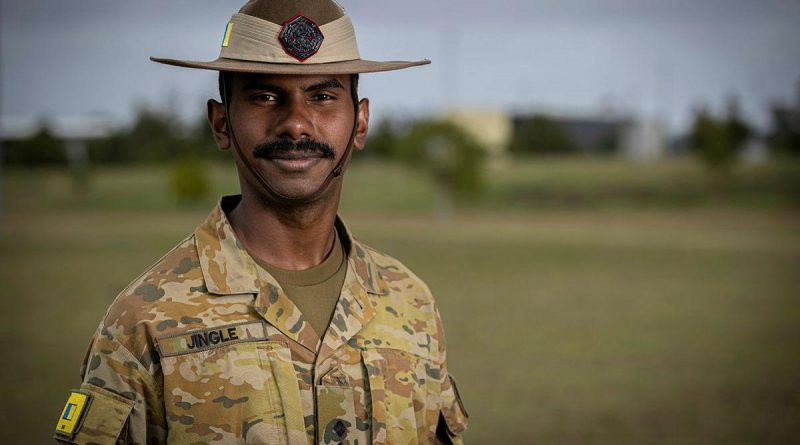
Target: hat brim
245,66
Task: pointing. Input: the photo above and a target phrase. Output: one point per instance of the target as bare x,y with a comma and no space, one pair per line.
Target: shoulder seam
413,275
152,266
141,369
368,247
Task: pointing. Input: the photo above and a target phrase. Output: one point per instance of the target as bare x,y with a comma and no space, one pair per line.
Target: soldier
271,323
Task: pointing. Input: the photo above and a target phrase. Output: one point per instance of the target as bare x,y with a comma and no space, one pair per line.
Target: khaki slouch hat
291,37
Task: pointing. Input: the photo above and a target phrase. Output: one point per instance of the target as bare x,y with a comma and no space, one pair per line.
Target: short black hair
225,83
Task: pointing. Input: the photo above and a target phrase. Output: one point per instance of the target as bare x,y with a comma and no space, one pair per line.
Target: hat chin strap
337,170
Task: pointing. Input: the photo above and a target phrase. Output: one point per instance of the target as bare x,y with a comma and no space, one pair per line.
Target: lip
295,164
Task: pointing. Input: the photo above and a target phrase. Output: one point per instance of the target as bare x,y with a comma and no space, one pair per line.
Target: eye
322,97
264,97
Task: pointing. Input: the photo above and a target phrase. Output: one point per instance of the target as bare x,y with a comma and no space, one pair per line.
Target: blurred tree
114,149
381,140
200,141
156,136
153,136
189,180
711,140
40,149
785,130
738,131
450,155
610,142
540,134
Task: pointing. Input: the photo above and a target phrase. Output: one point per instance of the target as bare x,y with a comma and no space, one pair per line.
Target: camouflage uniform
205,347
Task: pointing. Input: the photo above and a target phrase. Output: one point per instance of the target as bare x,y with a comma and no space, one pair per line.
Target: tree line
154,136
160,136
450,154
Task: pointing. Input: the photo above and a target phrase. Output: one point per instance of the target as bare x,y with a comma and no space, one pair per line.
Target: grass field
585,302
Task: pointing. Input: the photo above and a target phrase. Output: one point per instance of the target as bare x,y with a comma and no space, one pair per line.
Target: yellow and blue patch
69,421
227,37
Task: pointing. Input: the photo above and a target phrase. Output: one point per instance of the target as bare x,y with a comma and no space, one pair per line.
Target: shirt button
339,428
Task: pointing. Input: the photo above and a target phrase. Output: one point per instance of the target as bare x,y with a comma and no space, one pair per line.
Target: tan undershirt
314,291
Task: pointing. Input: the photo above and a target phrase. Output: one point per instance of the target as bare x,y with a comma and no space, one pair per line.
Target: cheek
343,125
253,127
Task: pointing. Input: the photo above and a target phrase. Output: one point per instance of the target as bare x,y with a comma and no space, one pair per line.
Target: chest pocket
401,386
241,391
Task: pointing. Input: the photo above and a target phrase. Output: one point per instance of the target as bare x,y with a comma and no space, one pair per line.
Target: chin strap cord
337,170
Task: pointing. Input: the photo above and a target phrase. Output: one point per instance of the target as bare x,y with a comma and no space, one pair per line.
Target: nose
294,123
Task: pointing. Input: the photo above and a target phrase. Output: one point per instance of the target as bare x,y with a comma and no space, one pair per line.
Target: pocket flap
98,420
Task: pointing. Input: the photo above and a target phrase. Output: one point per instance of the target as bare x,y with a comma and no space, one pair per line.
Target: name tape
210,338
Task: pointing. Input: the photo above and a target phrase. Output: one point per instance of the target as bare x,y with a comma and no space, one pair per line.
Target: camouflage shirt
205,347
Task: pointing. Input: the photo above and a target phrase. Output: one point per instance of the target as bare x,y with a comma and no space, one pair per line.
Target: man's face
292,129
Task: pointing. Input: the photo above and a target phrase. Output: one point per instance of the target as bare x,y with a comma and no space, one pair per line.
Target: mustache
276,149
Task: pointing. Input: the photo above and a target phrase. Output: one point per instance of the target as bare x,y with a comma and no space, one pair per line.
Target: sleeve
453,417
118,402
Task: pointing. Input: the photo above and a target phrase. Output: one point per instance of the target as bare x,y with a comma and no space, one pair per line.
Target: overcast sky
654,58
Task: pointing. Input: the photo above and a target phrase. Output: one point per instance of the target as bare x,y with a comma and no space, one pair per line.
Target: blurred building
643,139
548,132
492,128
755,151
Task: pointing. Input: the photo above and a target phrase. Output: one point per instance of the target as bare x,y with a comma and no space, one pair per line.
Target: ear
363,125
219,123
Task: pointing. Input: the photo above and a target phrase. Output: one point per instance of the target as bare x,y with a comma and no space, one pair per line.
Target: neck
287,236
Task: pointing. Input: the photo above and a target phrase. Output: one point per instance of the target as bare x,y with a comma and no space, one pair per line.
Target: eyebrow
325,84
258,85
266,86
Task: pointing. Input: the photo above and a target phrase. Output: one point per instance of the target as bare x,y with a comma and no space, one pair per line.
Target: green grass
618,328
604,182
374,186
599,320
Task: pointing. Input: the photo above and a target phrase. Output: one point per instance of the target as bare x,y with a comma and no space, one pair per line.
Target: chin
294,188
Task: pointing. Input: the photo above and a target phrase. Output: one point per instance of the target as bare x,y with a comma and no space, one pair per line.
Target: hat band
253,39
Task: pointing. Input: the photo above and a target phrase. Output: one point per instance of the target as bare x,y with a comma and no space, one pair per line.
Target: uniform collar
229,269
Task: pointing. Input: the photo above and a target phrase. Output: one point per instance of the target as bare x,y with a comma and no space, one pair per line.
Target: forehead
287,81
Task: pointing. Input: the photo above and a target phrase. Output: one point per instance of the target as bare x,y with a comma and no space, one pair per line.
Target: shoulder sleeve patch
93,415
70,420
